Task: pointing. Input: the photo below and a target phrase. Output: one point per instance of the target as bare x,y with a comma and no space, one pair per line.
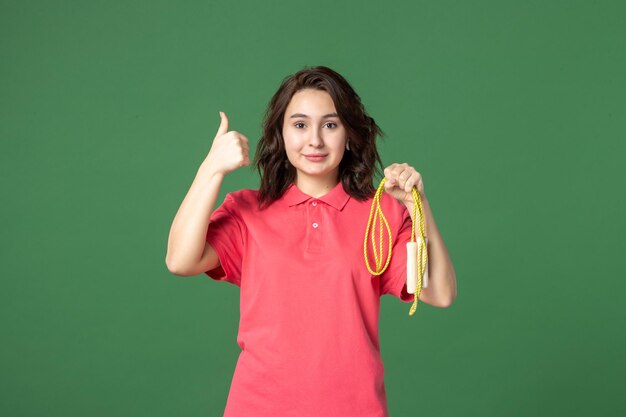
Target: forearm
187,238
441,290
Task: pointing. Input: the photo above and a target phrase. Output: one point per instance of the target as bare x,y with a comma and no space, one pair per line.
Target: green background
513,111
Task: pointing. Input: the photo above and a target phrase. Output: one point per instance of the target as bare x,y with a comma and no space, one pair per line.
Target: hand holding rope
417,254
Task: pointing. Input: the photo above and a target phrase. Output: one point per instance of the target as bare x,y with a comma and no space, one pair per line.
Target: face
315,138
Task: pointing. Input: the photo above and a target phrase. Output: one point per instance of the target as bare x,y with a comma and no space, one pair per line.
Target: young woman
309,307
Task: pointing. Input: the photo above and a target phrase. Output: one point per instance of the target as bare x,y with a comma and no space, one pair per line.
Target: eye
332,123
298,123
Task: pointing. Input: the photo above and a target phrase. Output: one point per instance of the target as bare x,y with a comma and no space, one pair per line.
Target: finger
242,140
389,172
405,169
397,171
402,176
390,185
412,181
223,124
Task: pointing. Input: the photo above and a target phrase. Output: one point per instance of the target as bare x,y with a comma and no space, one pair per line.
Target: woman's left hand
400,181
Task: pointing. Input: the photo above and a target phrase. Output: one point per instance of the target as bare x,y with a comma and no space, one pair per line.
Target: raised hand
229,150
401,178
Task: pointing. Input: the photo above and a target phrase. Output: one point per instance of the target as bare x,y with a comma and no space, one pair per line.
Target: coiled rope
375,217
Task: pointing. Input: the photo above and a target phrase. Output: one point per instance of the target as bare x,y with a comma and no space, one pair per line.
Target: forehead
311,102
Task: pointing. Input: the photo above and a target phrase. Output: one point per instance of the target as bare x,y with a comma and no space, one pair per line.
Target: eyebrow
306,117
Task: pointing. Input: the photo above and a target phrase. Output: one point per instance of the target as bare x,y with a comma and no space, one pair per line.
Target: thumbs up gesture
229,150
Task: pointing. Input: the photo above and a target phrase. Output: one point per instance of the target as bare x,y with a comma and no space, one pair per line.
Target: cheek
291,146
292,140
288,141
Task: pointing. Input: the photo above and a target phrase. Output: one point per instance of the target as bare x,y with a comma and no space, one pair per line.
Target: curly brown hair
356,169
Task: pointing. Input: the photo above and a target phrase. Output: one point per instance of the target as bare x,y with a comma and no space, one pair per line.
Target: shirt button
315,225
314,203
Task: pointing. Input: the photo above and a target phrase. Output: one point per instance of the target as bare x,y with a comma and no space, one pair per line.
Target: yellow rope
422,255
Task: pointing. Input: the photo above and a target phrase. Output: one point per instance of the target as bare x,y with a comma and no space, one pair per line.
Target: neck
316,187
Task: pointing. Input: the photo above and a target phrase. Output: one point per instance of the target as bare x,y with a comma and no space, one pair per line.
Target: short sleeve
393,279
226,234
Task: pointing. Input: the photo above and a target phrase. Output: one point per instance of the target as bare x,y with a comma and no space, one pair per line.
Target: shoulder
242,200
395,211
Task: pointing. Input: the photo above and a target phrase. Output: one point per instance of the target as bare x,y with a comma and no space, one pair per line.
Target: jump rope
416,251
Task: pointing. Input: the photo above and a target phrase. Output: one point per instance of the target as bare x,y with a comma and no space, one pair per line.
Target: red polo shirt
308,327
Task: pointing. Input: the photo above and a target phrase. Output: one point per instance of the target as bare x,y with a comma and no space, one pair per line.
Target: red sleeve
393,279
225,234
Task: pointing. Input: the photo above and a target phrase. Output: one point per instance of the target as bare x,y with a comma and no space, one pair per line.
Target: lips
315,157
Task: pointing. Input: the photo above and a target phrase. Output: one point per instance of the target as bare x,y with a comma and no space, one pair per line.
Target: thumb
223,124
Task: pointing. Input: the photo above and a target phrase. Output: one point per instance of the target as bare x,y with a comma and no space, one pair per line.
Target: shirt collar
337,197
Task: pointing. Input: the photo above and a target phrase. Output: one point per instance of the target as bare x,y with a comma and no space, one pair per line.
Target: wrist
410,201
208,170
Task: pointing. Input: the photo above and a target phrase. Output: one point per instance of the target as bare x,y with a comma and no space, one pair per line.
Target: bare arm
441,290
188,253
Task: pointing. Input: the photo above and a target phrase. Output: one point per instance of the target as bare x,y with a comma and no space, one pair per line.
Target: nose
315,138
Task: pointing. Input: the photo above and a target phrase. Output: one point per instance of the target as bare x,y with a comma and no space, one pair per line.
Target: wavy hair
357,167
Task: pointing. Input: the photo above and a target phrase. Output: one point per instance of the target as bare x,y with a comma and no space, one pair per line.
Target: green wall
513,111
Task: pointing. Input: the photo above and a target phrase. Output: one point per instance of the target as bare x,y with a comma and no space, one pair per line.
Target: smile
315,158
